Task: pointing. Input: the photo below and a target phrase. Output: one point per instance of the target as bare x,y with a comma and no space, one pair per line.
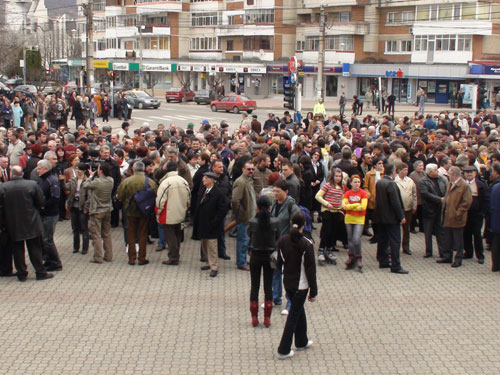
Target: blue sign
491,69
390,73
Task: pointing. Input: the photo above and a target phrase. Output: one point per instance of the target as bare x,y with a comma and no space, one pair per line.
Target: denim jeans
80,226
278,290
161,236
49,250
242,241
296,323
354,232
221,242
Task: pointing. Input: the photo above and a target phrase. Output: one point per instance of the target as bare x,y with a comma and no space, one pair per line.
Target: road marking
140,118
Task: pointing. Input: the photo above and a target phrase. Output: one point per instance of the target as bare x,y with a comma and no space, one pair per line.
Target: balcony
463,27
206,55
259,55
245,30
120,54
331,57
159,6
317,3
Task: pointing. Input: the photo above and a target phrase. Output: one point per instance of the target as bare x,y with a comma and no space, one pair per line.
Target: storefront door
442,94
331,86
400,89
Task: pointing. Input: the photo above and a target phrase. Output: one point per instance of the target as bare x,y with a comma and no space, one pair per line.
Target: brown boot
268,309
254,310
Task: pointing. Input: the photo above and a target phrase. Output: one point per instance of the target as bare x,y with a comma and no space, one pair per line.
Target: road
182,114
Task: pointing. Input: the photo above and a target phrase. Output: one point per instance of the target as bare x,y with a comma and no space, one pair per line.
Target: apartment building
245,44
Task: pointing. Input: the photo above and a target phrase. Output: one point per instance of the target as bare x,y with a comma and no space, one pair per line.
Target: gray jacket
284,213
98,192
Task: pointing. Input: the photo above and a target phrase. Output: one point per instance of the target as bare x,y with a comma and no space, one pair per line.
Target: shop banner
120,66
156,67
468,93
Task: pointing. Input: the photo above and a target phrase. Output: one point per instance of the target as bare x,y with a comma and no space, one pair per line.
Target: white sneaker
308,345
284,312
285,356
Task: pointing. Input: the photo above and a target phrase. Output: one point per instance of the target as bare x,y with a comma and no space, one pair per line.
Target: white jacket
173,193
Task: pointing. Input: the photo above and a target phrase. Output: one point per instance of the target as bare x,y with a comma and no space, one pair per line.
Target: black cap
211,175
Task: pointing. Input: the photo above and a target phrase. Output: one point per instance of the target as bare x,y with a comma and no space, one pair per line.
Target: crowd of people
266,183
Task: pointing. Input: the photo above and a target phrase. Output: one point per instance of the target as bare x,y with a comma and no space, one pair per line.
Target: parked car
28,88
179,94
143,99
235,103
14,82
204,96
4,89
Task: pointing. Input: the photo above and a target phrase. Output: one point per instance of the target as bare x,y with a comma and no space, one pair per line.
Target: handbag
273,259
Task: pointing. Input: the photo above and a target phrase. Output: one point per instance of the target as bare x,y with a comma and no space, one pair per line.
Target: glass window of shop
366,83
331,86
430,88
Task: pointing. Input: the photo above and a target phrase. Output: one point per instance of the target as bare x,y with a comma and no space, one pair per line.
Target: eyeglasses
250,169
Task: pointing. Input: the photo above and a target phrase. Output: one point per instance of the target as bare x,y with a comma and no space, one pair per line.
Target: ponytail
264,216
298,221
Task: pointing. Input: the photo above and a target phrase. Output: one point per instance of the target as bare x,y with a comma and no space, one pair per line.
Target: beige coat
457,202
173,193
408,191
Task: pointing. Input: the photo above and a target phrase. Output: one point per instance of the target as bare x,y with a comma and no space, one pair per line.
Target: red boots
268,309
254,310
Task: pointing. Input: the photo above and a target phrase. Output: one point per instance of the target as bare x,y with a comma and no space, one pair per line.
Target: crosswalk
174,117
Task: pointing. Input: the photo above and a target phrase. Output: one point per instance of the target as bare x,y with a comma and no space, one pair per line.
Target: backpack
308,224
145,199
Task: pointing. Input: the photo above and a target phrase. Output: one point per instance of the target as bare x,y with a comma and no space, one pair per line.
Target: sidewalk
332,106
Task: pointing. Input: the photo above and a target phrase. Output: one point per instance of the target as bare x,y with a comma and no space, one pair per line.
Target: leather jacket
263,240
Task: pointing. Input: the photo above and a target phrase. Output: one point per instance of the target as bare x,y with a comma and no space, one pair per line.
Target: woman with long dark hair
296,258
263,231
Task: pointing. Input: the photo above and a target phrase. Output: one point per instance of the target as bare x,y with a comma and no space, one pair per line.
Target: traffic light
289,98
112,75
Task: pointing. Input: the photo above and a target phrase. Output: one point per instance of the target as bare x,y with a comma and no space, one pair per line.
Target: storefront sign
156,67
75,63
120,66
468,93
275,68
101,64
184,68
257,70
492,69
199,68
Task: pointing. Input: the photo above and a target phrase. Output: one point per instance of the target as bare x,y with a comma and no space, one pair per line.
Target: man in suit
20,202
456,203
475,217
390,215
4,169
212,204
432,190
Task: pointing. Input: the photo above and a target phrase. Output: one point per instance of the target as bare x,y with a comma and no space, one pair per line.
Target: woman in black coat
78,111
197,178
308,178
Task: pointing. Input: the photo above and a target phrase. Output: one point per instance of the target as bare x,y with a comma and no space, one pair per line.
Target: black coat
388,204
480,204
306,193
431,198
210,214
263,240
20,203
30,166
197,186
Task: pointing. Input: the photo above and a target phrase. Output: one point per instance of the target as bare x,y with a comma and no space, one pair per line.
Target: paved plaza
119,319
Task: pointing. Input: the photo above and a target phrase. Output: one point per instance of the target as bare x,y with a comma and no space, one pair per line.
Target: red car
179,94
235,103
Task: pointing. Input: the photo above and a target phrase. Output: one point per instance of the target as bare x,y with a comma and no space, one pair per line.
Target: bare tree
152,81
185,78
11,46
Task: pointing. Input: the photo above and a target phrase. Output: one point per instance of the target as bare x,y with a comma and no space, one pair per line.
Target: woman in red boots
264,234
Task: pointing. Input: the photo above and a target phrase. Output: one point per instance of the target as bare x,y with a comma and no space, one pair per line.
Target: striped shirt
333,195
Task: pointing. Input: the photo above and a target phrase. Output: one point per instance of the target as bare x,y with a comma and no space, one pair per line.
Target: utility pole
88,11
321,55
140,58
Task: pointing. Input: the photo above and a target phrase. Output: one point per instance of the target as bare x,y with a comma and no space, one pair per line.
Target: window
157,43
407,17
445,12
464,43
111,22
457,12
339,17
483,11
111,43
301,44
445,42
422,13
99,24
468,11
433,12
204,44
259,16
391,46
204,19
230,20
339,43
257,43
161,20
99,5
312,43
406,46
392,17
101,44
229,45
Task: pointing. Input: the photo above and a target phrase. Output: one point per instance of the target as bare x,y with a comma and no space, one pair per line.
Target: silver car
143,99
